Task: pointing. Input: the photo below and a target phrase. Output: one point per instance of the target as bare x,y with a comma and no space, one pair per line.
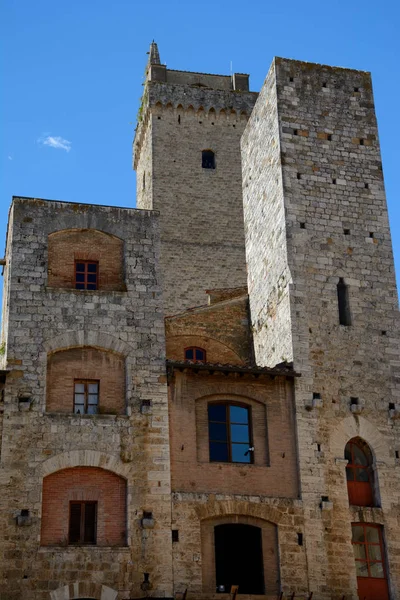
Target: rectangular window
368,551
86,275
229,433
82,523
86,397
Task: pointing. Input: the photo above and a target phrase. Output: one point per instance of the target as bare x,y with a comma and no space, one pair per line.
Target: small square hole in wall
329,137
356,89
391,406
319,447
291,79
298,175
300,539
366,185
361,142
316,396
397,454
324,498
175,535
147,515
159,118
383,332
353,401
302,225
346,231
371,234
295,132
324,84
334,181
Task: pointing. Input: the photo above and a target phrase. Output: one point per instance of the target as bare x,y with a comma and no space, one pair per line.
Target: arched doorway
239,558
359,474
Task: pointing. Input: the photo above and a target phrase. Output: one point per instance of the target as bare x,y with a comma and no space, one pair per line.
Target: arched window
229,433
359,473
208,159
195,354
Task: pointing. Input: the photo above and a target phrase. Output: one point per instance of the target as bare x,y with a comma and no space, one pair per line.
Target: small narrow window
86,275
144,181
195,354
208,159
86,397
343,303
230,433
82,523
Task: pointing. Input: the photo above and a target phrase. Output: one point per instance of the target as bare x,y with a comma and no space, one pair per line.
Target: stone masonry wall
202,240
336,226
35,444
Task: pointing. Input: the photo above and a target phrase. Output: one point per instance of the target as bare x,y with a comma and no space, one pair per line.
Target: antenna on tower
231,69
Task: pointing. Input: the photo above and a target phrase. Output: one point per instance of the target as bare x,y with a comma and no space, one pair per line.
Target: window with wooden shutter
82,523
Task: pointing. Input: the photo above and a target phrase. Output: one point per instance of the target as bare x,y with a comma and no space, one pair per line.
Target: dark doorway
238,558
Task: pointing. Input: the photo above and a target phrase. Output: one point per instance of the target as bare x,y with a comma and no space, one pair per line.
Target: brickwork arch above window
86,259
83,506
86,381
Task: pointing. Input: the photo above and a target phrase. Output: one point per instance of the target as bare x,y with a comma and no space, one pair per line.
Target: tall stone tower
323,294
187,158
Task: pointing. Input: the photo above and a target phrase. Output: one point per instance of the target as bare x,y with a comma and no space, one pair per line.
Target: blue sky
72,74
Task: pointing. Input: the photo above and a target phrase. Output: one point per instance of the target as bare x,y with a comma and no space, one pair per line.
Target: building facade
204,392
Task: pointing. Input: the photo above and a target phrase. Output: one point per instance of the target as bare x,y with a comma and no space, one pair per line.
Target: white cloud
55,141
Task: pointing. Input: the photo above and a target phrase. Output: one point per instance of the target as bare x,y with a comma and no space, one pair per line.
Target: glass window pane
361,569
374,553
240,433
80,267
93,399
92,277
189,354
359,456
92,409
372,535
238,414
93,388
350,474
239,453
376,570
199,354
79,388
80,277
358,533
361,475
79,409
79,286
217,432
347,453
218,452
217,412
359,551
91,286
92,268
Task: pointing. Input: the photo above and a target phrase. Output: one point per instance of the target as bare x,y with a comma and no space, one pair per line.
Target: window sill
85,292
99,417
44,549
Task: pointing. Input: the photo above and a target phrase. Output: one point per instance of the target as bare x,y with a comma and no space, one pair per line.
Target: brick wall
273,427
86,363
65,247
84,483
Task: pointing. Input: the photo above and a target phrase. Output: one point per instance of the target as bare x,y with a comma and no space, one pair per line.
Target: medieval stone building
204,392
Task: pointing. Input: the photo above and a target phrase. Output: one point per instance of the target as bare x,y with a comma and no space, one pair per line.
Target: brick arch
84,589
83,458
352,427
96,339
216,351
86,244
234,508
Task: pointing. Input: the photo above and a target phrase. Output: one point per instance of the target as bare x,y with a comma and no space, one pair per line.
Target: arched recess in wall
86,259
80,590
86,380
254,563
361,482
352,427
77,504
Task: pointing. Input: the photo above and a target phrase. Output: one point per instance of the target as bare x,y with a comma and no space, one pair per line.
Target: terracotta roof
285,369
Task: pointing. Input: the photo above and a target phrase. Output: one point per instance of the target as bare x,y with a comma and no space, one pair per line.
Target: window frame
86,383
366,545
82,523
86,273
228,422
194,359
359,489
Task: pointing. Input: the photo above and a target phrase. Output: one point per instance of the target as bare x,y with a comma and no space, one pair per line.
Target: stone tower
202,238
323,295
